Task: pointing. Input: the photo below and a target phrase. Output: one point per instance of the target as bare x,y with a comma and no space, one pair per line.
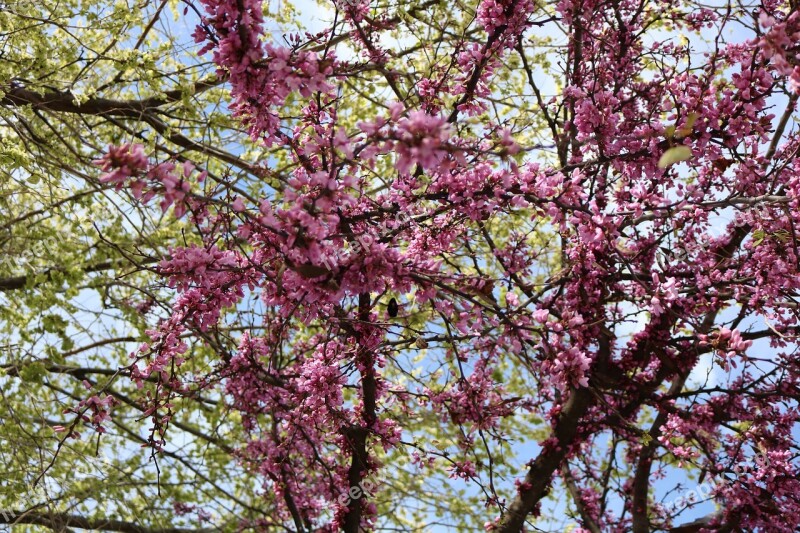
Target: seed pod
392,309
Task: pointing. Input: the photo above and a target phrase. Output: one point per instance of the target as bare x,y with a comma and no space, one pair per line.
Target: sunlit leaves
673,155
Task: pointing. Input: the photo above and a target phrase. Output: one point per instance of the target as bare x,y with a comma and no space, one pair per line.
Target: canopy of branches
355,265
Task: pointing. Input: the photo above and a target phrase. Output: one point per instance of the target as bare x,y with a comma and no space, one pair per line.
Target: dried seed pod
392,308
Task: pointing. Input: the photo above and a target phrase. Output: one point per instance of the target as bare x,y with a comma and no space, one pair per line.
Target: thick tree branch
142,110
641,478
16,95
701,523
59,521
358,436
537,481
588,521
20,282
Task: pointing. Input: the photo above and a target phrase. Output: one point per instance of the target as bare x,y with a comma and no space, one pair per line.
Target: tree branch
20,282
537,480
358,435
59,521
16,95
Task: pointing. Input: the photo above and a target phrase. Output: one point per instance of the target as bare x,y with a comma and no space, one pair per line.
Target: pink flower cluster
127,165
120,163
93,410
779,44
262,76
417,139
510,15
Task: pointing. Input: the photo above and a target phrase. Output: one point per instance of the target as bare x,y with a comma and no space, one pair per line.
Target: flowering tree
548,249
77,280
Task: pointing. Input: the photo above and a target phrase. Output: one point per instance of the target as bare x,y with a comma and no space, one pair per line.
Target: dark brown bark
62,521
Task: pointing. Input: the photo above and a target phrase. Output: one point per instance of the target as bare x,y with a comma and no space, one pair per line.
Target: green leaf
674,155
32,372
782,235
758,237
